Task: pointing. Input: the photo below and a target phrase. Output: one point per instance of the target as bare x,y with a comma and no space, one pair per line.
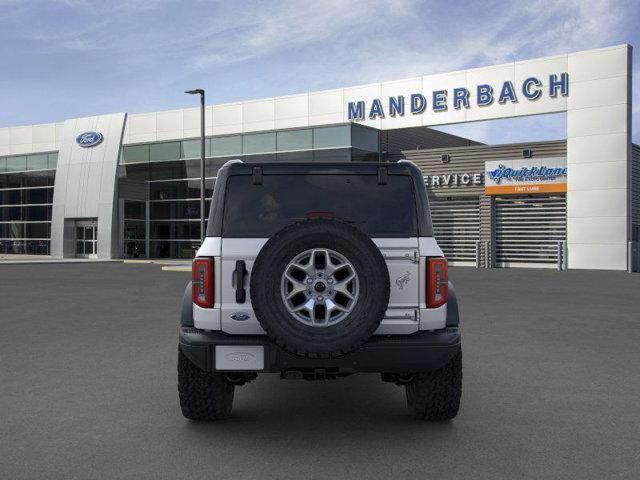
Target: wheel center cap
320,287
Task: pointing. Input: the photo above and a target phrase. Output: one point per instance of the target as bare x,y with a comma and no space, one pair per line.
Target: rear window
261,210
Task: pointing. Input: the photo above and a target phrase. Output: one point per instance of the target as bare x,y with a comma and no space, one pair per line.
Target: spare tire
320,288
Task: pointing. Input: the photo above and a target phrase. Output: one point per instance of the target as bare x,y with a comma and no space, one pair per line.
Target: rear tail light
437,282
202,282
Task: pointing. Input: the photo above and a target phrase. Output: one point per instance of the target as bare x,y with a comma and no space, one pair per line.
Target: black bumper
420,352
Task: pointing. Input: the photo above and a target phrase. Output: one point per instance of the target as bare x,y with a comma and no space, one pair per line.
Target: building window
226,146
26,196
332,137
259,143
162,152
135,154
295,140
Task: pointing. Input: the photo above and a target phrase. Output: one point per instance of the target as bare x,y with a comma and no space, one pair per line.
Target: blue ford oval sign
89,139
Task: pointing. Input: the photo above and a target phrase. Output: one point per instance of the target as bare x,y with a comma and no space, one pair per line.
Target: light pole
200,92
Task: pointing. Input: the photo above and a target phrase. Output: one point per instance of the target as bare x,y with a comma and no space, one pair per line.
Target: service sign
531,175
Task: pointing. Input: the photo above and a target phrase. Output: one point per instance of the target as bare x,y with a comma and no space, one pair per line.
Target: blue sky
72,58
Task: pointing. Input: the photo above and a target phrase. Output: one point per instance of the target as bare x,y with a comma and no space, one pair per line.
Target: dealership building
127,185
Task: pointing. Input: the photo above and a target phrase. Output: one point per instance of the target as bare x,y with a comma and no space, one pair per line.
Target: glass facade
167,225
26,197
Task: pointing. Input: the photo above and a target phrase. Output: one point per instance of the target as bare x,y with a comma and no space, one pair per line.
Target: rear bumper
420,352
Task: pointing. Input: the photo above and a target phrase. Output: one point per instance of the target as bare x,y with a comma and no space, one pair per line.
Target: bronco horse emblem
403,280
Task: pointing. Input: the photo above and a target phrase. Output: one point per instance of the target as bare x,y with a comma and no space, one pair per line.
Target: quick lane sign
483,95
526,176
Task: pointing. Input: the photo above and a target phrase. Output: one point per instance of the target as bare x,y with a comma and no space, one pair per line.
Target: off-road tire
203,395
436,395
334,340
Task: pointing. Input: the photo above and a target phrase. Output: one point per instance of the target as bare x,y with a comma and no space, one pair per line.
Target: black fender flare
186,314
453,315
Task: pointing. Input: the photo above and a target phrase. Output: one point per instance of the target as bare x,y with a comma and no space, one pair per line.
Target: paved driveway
87,387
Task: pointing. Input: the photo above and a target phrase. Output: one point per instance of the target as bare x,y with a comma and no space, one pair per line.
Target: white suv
317,271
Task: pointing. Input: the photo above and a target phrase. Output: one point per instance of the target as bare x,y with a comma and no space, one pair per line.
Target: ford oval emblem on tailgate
239,357
240,316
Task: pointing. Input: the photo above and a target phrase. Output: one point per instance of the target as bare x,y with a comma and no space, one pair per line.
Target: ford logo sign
89,139
240,316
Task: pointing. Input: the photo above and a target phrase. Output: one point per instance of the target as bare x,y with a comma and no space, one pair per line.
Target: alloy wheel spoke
309,287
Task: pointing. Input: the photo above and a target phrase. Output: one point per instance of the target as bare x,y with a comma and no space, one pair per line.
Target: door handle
239,273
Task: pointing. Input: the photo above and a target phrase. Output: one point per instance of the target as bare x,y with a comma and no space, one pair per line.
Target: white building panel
585,150
328,104
597,120
44,133
446,82
540,69
598,256
597,176
21,135
292,111
227,118
597,203
170,124
599,63
395,89
494,76
142,124
598,230
598,93
258,115
368,93
599,240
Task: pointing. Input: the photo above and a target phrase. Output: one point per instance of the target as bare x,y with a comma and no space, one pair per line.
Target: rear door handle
239,273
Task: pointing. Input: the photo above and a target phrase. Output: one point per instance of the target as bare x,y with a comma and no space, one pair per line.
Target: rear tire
435,396
203,395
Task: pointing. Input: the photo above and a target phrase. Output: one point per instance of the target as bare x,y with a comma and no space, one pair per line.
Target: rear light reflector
437,282
202,282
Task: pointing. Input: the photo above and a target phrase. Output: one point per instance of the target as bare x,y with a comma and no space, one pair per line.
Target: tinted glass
259,143
224,146
335,155
16,164
38,162
174,249
364,138
134,209
52,160
295,140
262,210
191,148
181,189
176,210
328,137
160,152
135,153
175,230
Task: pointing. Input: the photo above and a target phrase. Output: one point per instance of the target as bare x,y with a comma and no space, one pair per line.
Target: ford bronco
315,271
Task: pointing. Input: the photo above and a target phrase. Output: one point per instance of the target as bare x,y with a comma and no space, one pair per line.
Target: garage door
456,226
528,229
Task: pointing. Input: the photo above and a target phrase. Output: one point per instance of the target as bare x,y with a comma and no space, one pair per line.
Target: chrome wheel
319,287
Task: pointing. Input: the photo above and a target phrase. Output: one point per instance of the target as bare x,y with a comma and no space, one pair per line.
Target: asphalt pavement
88,387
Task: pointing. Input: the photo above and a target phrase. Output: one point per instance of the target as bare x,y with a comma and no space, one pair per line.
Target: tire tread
203,395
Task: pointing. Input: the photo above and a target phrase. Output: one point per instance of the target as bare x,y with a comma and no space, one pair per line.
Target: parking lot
88,387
